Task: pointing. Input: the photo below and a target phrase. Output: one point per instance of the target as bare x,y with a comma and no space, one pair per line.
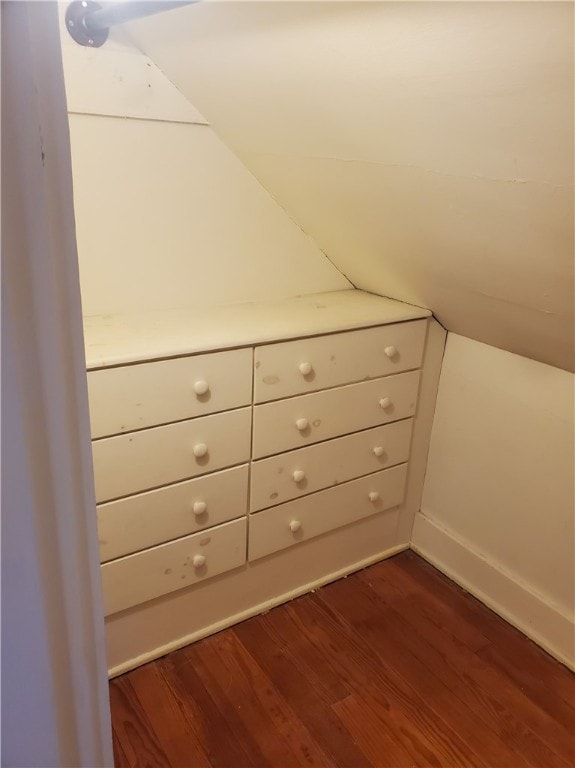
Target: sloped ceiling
427,147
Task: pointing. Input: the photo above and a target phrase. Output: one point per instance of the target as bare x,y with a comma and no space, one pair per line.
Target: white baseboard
502,591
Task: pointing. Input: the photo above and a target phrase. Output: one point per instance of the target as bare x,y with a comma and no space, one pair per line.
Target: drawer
299,421
139,396
142,521
295,367
302,519
137,578
139,461
306,470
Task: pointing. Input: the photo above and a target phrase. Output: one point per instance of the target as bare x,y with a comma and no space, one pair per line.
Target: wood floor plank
401,587
291,633
520,652
135,737
366,726
392,667
326,727
282,737
493,680
181,743
218,739
437,694
421,727
410,721
233,702
120,759
285,630
498,705
540,692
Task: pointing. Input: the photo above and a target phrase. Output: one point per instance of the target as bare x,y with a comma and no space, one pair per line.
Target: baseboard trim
263,607
501,591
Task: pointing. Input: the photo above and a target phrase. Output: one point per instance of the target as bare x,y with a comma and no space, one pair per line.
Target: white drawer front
142,521
139,461
302,519
306,470
139,396
137,578
307,419
295,367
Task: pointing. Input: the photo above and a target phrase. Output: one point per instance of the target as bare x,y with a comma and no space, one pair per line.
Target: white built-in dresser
246,454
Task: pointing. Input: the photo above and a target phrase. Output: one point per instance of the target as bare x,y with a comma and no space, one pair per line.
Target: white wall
426,146
166,215
498,505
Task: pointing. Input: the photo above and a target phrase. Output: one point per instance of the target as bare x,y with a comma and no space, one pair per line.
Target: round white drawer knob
294,526
298,475
385,402
378,450
198,561
199,507
302,424
305,369
201,387
373,496
390,351
200,449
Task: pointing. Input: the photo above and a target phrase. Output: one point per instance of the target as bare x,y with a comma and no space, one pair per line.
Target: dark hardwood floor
393,666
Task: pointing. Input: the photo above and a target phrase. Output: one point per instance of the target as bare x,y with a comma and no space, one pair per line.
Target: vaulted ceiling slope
426,146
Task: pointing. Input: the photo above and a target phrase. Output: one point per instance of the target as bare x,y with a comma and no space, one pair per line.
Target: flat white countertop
119,339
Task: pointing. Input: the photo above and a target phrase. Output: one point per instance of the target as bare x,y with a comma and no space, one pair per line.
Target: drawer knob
200,449
373,496
385,402
199,507
378,450
201,387
199,561
305,368
390,351
302,424
298,475
294,526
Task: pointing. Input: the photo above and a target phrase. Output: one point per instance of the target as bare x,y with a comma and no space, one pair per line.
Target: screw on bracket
77,25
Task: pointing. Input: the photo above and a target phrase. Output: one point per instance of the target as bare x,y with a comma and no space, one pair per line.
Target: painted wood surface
297,521
153,457
295,473
308,365
299,421
392,666
322,552
151,518
146,575
138,336
138,396
422,426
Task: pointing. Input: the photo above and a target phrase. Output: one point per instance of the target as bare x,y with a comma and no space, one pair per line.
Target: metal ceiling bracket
76,25
89,22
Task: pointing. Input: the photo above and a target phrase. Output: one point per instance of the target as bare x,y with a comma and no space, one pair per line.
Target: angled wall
427,147
166,215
